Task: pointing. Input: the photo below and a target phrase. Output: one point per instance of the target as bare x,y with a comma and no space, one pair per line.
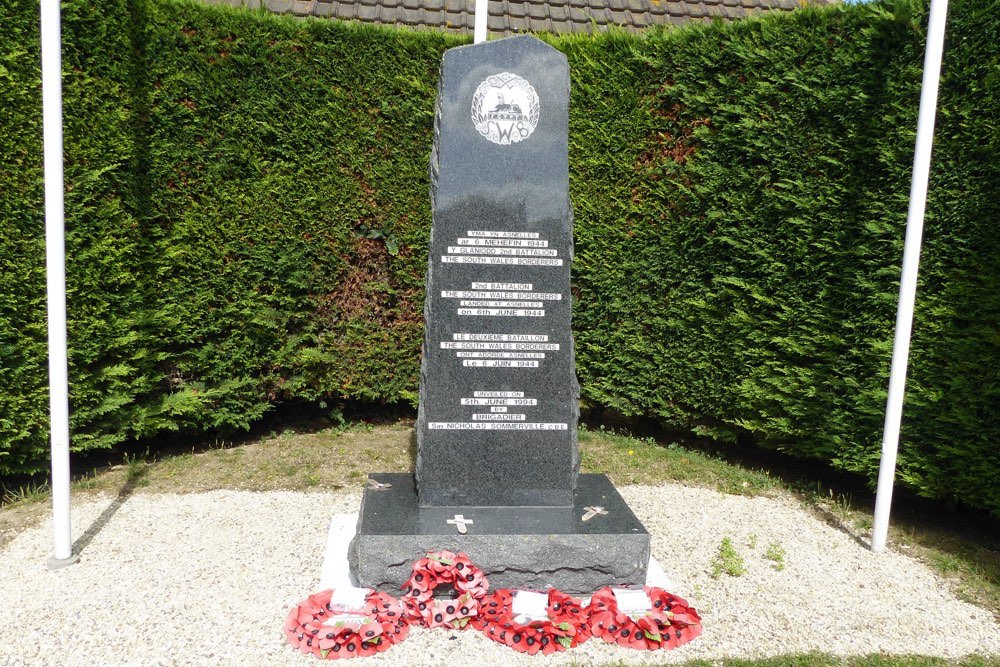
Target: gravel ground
206,579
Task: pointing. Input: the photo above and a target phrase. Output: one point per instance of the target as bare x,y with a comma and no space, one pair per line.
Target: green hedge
248,214
746,275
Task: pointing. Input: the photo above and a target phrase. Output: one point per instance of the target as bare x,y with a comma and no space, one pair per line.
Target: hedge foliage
247,221
743,270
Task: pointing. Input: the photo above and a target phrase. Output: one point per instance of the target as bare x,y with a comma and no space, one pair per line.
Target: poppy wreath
306,630
669,623
567,626
438,569
388,611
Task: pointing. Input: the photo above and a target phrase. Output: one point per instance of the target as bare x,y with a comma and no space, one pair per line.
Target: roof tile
619,17
537,11
324,9
515,16
367,13
657,7
455,20
540,25
408,16
345,10
677,9
558,13
643,20
601,15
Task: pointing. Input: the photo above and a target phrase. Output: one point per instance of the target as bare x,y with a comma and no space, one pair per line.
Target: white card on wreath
349,598
530,605
351,620
631,602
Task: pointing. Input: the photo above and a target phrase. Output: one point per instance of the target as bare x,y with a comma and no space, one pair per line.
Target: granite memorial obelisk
497,463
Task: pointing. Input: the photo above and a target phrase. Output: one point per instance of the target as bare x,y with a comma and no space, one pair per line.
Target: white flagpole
55,272
482,16
911,263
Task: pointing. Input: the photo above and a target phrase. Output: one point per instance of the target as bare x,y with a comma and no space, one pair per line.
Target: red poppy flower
519,641
294,637
471,579
383,605
423,580
366,649
307,613
440,562
321,599
648,624
399,632
350,647
329,636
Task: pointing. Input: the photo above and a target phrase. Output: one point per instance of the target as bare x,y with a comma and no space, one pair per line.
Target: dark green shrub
247,220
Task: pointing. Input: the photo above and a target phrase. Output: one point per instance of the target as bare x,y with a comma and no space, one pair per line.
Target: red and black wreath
444,568
669,623
567,624
312,627
318,627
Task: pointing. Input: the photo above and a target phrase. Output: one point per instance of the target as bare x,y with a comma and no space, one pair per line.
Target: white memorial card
352,620
530,606
632,603
349,598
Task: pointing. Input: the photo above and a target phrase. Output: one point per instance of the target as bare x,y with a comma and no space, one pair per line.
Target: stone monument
497,463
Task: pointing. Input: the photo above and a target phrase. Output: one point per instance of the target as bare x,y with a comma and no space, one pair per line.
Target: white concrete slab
336,572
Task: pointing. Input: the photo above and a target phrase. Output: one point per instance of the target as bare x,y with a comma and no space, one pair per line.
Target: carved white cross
460,522
378,486
591,512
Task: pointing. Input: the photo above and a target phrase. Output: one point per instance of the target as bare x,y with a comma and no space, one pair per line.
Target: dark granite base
517,547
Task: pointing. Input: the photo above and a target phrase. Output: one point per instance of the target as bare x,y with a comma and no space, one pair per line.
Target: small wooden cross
460,522
591,512
378,486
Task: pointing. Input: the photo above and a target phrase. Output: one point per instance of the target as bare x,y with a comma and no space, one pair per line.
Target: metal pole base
60,563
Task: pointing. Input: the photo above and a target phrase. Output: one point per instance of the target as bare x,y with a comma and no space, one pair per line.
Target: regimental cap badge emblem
505,109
